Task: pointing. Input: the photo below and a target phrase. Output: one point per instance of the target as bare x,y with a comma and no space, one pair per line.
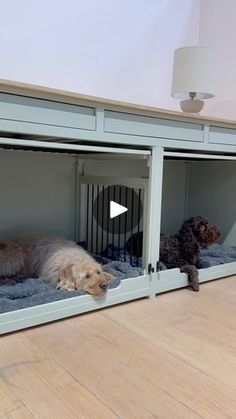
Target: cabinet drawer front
124,123
46,112
219,135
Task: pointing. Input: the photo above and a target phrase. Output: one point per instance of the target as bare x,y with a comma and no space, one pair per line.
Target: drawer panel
125,123
219,135
46,112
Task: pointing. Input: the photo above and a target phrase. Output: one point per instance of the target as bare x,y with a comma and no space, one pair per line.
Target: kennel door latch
150,269
158,266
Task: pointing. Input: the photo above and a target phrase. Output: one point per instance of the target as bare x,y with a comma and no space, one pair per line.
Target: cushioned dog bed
29,292
216,254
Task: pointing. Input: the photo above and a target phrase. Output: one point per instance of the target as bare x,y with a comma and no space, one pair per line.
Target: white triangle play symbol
116,209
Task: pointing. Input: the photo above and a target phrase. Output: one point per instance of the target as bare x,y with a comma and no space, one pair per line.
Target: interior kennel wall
200,187
174,190
37,193
38,190
212,192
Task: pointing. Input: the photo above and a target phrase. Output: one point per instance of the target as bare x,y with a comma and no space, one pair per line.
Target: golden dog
53,259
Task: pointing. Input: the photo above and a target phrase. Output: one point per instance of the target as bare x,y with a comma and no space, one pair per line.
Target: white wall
117,48
217,29
112,48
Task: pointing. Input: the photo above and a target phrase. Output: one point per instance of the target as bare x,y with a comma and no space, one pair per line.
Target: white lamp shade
194,71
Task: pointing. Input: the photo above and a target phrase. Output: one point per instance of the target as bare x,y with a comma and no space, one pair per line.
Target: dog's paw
195,288
66,285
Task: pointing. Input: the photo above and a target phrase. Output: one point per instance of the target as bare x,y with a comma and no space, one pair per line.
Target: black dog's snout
103,285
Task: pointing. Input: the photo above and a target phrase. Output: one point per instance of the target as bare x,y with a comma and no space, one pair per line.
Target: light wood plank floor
170,357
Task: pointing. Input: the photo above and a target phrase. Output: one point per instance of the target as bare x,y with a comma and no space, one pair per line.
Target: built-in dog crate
64,157
67,193
198,184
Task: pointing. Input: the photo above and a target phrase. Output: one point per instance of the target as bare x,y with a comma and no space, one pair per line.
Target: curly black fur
182,250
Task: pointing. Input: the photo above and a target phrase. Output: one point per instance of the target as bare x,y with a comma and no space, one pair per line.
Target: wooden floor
170,357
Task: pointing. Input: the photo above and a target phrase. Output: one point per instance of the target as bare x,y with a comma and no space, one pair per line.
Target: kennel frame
172,278
53,120
129,289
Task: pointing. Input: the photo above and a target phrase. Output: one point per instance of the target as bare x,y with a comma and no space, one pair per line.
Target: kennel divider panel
89,186
154,215
171,279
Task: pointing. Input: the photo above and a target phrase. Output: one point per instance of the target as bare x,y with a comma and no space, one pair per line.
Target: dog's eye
98,272
87,276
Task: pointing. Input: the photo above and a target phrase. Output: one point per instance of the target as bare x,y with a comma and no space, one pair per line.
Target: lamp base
191,105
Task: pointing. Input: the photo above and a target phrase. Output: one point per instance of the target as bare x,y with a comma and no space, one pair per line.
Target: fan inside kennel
200,185
45,191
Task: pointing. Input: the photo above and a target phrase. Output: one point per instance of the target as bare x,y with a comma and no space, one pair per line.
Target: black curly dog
182,250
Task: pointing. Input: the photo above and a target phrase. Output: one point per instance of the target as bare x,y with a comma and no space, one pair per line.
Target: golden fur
53,259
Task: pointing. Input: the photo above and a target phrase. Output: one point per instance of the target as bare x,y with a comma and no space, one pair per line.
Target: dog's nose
103,285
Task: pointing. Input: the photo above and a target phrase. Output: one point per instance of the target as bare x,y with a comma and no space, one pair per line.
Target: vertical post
78,173
99,119
154,213
206,133
186,196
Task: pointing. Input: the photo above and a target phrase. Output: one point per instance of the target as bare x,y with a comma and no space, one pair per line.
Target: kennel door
119,238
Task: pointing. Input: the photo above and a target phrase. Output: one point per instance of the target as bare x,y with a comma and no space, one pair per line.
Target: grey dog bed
30,291
217,254
33,291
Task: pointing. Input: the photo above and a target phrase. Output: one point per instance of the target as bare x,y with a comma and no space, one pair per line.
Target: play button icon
116,209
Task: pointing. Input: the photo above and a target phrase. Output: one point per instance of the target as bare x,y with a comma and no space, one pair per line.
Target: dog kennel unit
198,184
69,145
47,190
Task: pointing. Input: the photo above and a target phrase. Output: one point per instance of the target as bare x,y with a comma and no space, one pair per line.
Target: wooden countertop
26,89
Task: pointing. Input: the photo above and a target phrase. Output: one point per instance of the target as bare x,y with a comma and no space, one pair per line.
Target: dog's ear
69,278
185,234
108,276
67,273
186,230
